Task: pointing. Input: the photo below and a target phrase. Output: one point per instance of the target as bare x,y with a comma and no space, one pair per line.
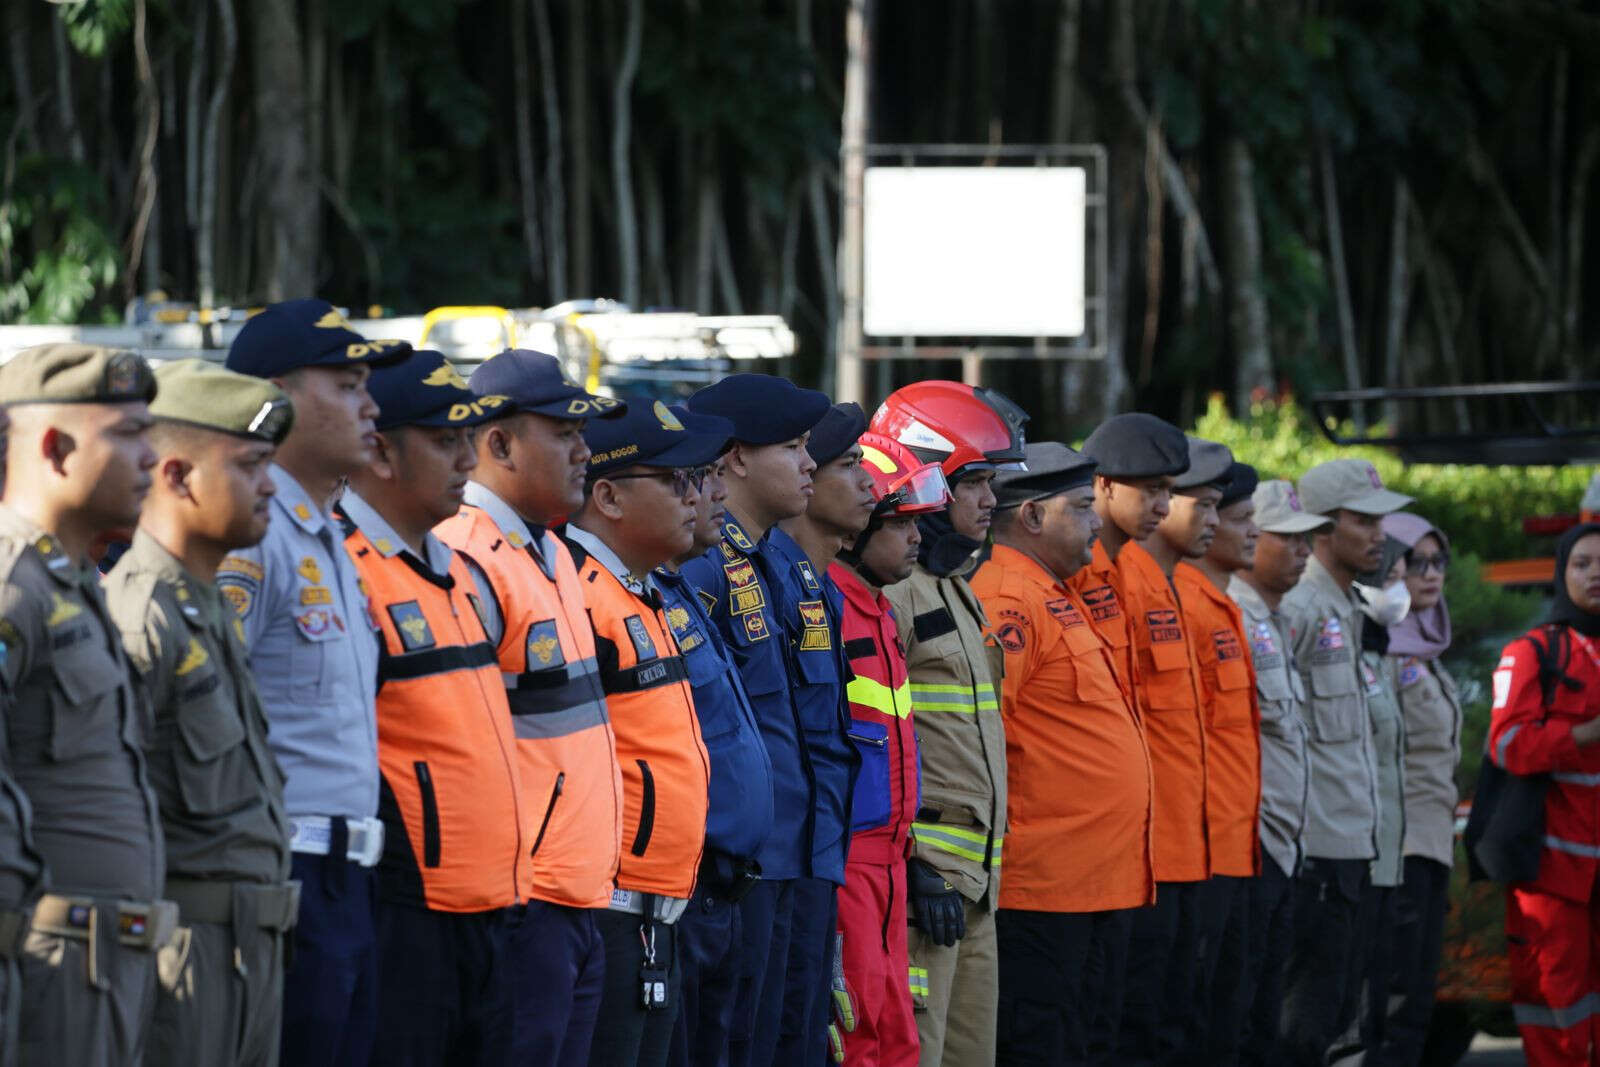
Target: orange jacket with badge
1079,791
451,792
1099,586
1167,681
573,815
1233,723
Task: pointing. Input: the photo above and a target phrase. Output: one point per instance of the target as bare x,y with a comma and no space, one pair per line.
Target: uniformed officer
769,479
78,464
739,813
530,473
1276,565
1325,623
799,552
1077,860
315,658
639,511
220,789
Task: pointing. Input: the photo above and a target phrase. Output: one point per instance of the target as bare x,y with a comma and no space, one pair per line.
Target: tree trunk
289,189
1123,190
659,284
17,42
146,188
1398,304
199,53
555,196
705,245
1341,280
849,384
1154,259
578,47
1247,303
66,111
727,282
621,169
1577,223
1064,78
527,180
205,236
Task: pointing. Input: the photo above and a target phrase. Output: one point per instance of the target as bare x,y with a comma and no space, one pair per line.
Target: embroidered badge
193,659
314,623
237,595
62,611
544,646
309,570
315,594
411,625
1227,645
816,636
740,574
302,513
1410,672
1331,636
185,602
1163,625
678,619
1065,612
1011,636
1370,678
732,532
1102,603
744,601
238,630
808,577
728,552
384,546
239,565
707,600
755,626
643,647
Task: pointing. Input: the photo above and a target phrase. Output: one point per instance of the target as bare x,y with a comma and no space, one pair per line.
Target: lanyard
1587,646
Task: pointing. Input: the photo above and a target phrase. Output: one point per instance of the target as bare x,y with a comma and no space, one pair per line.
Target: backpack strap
1552,653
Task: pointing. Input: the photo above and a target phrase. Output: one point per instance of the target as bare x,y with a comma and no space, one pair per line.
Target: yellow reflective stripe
879,697
940,696
957,841
919,981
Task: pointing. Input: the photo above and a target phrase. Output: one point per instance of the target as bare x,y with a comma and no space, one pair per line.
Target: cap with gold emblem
423,389
72,373
197,393
650,434
535,382
304,333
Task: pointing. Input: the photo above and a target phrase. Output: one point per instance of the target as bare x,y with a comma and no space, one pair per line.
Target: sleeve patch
239,565
1012,638
1502,688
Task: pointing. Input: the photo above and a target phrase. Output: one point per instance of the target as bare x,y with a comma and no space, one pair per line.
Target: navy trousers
446,996
803,1039
557,968
330,990
710,954
765,915
1217,1025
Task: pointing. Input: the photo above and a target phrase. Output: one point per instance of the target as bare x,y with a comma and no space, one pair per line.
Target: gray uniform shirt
1325,632
1432,712
205,743
314,652
73,731
1388,750
1285,759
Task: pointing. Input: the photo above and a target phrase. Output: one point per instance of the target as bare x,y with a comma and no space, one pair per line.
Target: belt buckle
371,833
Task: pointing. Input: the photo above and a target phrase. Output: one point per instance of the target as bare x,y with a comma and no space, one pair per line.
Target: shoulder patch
1410,672
1065,612
240,565
639,634
732,531
412,626
755,626
544,646
1163,625
815,636
1011,635
239,595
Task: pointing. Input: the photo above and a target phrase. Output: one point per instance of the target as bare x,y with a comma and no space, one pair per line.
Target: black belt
726,876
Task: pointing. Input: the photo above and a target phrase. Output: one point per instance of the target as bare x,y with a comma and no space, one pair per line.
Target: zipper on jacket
647,808
875,742
549,810
430,815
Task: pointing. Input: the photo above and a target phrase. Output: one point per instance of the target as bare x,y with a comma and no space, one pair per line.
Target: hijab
1564,612
1424,634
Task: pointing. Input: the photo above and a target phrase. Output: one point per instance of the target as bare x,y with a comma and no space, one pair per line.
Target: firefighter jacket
565,748
1431,709
666,774
1325,627
1099,586
733,585
1285,762
1233,723
740,815
1528,736
450,794
889,787
809,606
1078,806
1166,678
955,697
1388,751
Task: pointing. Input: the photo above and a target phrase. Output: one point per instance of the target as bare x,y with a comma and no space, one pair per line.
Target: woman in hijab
1431,711
1546,722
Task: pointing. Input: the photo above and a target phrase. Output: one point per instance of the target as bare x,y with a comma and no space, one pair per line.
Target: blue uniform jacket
809,607
732,585
739,819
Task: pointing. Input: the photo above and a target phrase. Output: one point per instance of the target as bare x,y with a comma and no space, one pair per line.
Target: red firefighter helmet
960,427
902,484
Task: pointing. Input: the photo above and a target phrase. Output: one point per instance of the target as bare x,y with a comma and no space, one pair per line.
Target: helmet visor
924,489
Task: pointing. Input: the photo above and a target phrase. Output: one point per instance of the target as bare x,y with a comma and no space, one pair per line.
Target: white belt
668,909
314,834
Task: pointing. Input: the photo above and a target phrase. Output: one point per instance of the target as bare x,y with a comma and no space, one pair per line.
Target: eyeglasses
682,478
1423,564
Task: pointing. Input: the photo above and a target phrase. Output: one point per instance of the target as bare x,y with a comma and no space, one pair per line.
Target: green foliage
54,222
95,25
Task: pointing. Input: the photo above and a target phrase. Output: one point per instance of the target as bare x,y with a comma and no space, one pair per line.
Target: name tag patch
1065,612
1163,624
1102,603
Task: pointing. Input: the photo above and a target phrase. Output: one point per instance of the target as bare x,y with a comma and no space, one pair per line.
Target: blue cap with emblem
304,333
650,435
425,390
764,409
534,381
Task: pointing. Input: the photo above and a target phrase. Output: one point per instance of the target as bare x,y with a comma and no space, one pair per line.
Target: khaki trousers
956,994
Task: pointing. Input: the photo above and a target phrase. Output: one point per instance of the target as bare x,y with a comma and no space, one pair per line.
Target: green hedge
1480,508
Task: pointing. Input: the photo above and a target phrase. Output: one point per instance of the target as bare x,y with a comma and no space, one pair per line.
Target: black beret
1136,445
837,430
1051,468
764,409
1242,482
1208,465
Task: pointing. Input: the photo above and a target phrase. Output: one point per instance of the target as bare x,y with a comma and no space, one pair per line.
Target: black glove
935,905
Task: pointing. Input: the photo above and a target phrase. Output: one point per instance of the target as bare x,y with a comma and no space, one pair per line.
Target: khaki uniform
1431,708
960,826
88,970
1388,750
221,798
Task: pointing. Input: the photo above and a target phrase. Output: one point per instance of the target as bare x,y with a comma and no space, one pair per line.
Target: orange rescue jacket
1099,586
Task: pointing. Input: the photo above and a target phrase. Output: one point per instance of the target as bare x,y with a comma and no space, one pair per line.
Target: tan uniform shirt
1431,708
1325,630
74,731
1388,750
220,790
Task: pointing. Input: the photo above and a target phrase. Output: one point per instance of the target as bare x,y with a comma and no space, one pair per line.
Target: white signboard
974,251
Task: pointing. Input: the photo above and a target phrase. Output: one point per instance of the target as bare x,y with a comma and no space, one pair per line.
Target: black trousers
1365,1003
1216,1027
710,952
445,995
625,1034
1421,903
1323,961
1163,960
1060,985
1271,936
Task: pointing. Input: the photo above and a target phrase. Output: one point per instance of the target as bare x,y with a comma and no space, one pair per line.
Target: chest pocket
1428,706
213,765
1335,704
319,636
85,706
1278,692
820,691
1233,693
1169,685
1094,682
870,803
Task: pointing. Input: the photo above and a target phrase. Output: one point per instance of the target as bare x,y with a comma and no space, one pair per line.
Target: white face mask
1385,606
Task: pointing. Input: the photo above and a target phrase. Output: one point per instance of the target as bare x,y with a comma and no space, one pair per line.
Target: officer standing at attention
953,875
798,553
1341,835
220,789
769,479
77,465
1077,860
530,475
315,658
739,815
639,511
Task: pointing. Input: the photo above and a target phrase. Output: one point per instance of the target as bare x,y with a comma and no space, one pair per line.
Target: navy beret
1208,465
1242,482
838,429
535,382
304,333
1051,468
425,390
650,434
764,409
1136,445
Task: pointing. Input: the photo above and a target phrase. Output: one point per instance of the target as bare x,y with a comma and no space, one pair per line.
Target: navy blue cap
764,409
304,333
1242,482
649,434
1136,445
425,390
710,425
535,382
838,429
